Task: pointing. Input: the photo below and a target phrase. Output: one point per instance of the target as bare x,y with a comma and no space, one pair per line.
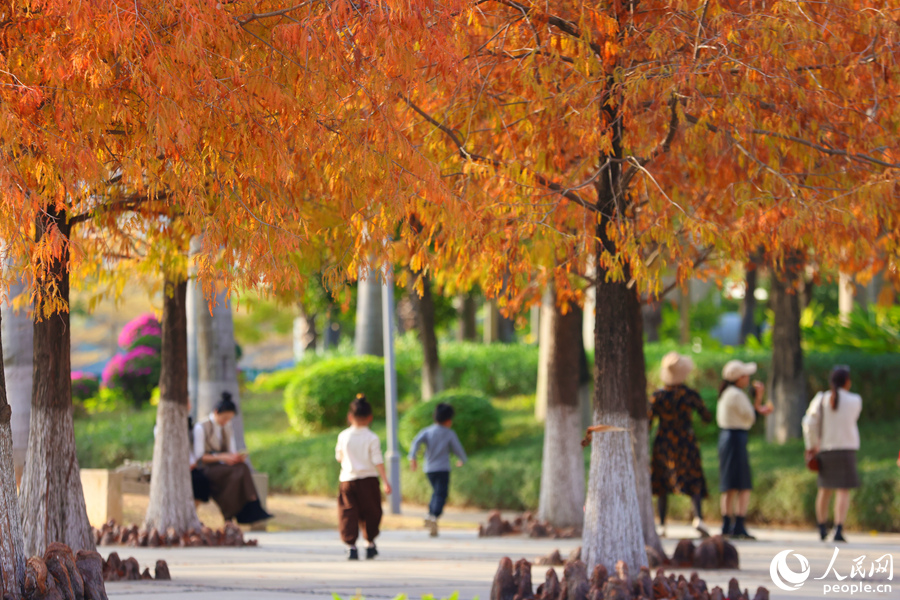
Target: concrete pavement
307,565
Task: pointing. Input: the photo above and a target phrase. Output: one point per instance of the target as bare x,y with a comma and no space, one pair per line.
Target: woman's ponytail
839,377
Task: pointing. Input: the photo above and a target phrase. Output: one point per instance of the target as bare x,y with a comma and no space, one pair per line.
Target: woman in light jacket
735,415
830,432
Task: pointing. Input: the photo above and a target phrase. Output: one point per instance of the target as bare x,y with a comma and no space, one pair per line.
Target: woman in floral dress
675,465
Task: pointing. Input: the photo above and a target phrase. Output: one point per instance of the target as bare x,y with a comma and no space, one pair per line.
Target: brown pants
359,502
231,486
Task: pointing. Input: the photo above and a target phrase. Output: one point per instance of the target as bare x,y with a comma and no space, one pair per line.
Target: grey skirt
837,470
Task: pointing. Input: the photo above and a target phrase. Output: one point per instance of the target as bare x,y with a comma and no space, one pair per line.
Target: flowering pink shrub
84,385
135,373
138,328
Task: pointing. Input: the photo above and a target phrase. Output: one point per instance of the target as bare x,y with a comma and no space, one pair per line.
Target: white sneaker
700,526
661,532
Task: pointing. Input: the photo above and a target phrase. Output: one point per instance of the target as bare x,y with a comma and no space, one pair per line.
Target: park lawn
507,475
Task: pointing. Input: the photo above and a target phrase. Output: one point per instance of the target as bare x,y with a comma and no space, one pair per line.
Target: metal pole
390,387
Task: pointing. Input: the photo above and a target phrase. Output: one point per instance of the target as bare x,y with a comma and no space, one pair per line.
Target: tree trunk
369,327
613,527
748,318
171,494
491,323
12,541
468,326
651,313
51,498
432,378
506,330
217,360
332,329
684,310
306,335
845,297
562,468
613,515
545,345
787,383
18,367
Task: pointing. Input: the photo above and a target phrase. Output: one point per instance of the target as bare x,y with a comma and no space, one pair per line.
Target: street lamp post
390,387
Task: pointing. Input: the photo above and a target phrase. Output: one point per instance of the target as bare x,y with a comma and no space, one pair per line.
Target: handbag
812,458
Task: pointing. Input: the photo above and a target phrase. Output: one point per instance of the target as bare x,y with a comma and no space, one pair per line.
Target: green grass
508,474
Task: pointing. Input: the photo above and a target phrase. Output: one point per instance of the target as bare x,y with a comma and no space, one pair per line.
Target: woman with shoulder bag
832,439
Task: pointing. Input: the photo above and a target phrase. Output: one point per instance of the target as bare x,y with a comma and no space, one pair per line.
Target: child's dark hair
443,412
226,404
360,407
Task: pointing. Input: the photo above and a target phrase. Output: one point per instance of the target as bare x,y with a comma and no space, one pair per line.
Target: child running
359,501
440,440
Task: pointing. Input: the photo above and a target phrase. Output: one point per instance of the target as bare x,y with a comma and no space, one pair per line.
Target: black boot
740,530
823,531
839,534
252,512
726,526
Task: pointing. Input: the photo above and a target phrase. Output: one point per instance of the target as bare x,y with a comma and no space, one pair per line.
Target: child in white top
359,501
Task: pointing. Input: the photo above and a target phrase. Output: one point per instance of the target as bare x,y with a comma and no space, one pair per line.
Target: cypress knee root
90,566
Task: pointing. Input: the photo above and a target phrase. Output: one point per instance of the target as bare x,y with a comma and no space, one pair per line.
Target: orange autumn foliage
277,127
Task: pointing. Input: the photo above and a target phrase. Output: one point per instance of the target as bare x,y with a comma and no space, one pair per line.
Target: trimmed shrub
498,370
476,422
319,397
84,386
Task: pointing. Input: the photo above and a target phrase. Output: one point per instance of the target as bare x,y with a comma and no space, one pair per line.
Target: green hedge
498,370
476,421
507,475
319,397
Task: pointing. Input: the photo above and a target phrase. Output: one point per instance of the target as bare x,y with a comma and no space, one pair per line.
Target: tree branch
129,203
563,25
663,147
249,17
541,180
855,156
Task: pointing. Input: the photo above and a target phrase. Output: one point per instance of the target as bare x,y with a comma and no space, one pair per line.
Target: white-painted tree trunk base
562,475
18,367
18,390
12,548
51,499
171,494
545,344
611,533
641,439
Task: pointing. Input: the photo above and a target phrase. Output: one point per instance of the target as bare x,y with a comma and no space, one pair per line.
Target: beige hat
735,369
675,368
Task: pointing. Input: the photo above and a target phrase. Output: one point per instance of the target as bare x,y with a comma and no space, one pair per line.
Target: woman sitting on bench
226,469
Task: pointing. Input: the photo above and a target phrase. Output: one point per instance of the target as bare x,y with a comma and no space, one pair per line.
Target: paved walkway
307,565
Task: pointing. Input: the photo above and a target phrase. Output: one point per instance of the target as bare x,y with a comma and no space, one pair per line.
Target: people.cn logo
785,577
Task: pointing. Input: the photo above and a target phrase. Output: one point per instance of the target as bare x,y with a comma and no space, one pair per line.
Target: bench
104,488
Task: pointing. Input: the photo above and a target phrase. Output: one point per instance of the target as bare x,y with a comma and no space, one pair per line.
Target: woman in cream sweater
830,432
735,415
